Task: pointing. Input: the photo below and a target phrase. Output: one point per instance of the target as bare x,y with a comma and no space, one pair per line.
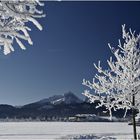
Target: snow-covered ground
65,130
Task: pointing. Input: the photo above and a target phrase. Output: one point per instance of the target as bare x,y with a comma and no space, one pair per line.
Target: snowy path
56,130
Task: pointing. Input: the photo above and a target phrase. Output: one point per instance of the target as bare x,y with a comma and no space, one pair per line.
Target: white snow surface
64,130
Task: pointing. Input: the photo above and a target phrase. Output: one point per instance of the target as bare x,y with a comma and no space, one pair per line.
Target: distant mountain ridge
67,98
65,105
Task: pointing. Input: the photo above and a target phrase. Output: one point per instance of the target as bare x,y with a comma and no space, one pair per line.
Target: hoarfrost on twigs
116,86
14,15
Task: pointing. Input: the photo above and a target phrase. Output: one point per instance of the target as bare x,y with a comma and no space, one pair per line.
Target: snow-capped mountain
64,105
67,98
52,99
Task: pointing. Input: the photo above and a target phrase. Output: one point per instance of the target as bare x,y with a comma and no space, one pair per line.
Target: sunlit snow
59,130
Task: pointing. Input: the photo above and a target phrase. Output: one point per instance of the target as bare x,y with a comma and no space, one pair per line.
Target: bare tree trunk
110,114
133,118
125,113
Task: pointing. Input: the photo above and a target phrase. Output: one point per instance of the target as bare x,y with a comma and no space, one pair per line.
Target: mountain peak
67,94
71,98
66,98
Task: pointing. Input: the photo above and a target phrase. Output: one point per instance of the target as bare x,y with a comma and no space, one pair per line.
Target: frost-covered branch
116,86
14,16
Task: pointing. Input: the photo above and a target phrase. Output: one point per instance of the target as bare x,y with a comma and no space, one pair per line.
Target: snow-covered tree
14,16
119,85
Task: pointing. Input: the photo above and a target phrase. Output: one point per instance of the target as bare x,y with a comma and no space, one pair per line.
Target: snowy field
64,130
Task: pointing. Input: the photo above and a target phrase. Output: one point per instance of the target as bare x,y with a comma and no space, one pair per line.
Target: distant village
76,118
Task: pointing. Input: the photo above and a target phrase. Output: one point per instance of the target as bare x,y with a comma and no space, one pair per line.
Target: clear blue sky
75,35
